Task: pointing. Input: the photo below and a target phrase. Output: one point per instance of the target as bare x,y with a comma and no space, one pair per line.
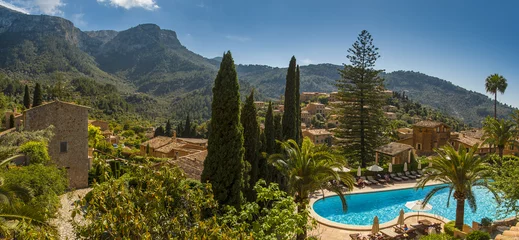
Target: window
63,147
438,129
419,146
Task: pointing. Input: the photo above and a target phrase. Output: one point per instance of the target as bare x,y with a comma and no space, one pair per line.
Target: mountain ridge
150,60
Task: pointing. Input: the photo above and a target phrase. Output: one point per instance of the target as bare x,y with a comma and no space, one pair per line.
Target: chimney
174,135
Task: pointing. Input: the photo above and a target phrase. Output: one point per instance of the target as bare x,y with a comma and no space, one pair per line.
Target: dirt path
63,222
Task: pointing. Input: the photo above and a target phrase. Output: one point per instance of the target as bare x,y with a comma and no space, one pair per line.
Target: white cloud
127,4
13,7
49,7
78,20
307,61
237,38
201,5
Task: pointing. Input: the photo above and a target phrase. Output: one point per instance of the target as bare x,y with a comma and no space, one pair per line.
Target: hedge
449,228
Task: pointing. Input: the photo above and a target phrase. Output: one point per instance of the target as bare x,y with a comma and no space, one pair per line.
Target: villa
428,135
319,136
172,147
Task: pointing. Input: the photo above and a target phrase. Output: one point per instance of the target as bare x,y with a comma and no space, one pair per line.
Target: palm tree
309,168
495,83
460,171
499,133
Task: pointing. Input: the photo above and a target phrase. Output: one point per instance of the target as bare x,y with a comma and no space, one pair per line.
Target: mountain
157,77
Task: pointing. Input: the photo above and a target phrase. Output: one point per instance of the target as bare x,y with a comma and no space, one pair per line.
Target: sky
459,41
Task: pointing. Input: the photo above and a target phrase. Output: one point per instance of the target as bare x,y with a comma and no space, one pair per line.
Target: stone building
314,108
166,147
18,119
428,135
69,146
319,136
306,118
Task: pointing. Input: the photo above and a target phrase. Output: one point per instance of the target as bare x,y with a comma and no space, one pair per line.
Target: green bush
478,235
449,228
441,236
36,152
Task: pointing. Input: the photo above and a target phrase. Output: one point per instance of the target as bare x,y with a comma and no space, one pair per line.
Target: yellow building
319,136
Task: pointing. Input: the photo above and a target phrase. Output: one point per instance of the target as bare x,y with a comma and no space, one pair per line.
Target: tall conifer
270,134
224,165
299,133
26,98
362,122
37,100
187,128
290,113
251,142
169,131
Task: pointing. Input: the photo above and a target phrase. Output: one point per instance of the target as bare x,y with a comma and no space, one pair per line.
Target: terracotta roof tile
393,148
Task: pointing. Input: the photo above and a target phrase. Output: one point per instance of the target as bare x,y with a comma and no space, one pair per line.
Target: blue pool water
362,208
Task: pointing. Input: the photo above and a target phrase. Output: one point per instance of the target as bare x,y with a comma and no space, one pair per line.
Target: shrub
442,236
36,152
449,228
486,222
478,235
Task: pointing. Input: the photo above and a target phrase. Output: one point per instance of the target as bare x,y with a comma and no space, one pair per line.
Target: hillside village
129,135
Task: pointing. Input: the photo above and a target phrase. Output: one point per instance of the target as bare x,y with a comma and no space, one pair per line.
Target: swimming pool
362,208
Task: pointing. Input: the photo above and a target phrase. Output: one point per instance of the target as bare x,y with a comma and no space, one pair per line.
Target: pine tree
270,135
289,115
37,100
168,132
11,121
159,131
362,123
299,133
278,132
26,98
251,143
224,165
187,128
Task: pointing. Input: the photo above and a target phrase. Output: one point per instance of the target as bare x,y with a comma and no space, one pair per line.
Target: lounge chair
416,174
394,177
409,175
373,180
421,173
366,181
402,176
382,179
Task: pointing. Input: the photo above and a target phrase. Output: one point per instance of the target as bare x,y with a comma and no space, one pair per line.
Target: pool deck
327,229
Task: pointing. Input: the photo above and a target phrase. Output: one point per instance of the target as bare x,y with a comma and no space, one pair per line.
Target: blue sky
460,41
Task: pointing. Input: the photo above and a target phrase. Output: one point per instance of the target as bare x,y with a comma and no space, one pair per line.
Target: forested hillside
145,72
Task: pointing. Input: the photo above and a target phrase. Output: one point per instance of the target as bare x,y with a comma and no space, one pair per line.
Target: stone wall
69,146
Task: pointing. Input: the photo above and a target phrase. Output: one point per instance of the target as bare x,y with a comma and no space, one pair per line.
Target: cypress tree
11,121
168,132
159,131
193,131
361,122
187,128
262,158
289,115
224,165
37,100
299,133
26,98
251,142
270,134
148,149
180,129
278,132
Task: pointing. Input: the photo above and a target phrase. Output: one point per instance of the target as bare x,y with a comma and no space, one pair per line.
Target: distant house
103,125
154,144
259,104
390,108
306,117
69,146
428,135
334,96
399,153
18,119
280,108
390,115
319,136
314,108
192,164
309,96
404,133
166,147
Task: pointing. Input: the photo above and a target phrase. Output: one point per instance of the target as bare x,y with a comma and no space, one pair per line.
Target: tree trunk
501,149
460,213
300,209
495,105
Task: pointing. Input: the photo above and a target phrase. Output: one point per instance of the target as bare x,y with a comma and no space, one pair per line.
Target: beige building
69,146
319,136
390,115
259,104
166,147
334,96
428,135
310,96
306,118
315,108
18,119
398,153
